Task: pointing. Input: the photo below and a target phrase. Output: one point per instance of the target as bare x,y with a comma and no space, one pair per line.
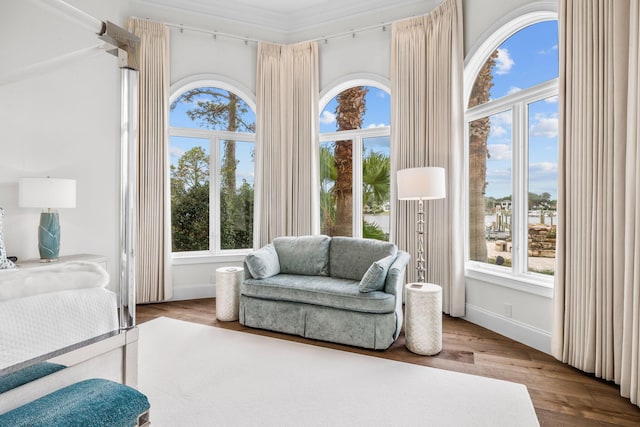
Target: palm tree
327,182
349,113
478,155
376,179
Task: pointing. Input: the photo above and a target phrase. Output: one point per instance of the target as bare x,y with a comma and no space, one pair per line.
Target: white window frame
357,137
215,252
518,276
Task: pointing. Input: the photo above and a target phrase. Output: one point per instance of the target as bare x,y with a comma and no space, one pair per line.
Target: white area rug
197,375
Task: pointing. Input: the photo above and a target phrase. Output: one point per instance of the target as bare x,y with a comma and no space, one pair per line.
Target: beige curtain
153,254
287,139
597,289
426,130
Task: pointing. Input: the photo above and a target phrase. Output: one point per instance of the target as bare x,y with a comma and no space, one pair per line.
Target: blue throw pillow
264,262
374,278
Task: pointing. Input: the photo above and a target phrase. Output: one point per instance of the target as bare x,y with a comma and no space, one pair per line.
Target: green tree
376,179
190,201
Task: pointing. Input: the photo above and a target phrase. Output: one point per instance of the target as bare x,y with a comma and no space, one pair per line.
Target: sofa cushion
263,262
324,291
306,255
374,278
350,258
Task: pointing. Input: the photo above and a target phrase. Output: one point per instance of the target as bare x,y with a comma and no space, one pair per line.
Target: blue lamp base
49,236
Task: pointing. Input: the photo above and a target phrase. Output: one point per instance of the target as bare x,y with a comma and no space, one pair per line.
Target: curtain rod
181,27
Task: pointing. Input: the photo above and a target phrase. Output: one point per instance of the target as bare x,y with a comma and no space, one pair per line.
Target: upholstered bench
89,403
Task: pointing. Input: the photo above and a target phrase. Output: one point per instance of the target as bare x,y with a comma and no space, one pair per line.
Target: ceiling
295,16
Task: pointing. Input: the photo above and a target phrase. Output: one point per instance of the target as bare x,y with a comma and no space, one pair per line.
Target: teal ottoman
89,403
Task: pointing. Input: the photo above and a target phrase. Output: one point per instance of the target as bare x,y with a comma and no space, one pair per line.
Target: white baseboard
521,332
181,293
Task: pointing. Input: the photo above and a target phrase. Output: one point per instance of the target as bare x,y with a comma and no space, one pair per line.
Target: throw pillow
264,262
4,262
374,278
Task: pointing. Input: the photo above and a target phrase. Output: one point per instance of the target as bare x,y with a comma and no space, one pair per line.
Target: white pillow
5,264
19,283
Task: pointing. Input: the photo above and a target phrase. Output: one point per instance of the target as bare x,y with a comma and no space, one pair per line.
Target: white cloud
503,62
547,51
543,168
327,117
545,125
499,151
513,89
501,124
379,125
552,100
176,151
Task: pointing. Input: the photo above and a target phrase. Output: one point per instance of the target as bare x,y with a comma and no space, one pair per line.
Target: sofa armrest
395,275
247,273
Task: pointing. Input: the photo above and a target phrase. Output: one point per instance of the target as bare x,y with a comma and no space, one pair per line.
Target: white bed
65,315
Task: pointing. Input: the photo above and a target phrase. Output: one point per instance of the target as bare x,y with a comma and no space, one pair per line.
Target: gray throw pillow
5,264
374,278
264,262
306,255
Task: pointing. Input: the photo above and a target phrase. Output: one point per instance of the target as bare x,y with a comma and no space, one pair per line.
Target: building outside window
512,142
212,146
355,163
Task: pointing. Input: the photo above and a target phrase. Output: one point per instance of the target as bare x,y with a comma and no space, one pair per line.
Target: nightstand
35,263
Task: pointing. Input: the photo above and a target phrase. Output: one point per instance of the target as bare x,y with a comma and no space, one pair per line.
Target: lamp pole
421,261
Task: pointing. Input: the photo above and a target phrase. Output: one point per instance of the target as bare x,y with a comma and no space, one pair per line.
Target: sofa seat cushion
350,258
317,290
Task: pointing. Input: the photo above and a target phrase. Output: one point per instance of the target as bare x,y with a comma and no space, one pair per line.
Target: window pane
525,59
362,107
490,150
376,168
543,185
212,108
189,194
236,194
336,188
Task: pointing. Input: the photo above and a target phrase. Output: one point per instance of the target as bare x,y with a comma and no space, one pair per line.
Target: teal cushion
28,374
374,278
263,263
350,257
306,255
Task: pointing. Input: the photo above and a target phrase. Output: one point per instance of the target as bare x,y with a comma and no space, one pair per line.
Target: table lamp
49,194
425,183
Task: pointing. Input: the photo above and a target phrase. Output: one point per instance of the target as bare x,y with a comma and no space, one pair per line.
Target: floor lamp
426,183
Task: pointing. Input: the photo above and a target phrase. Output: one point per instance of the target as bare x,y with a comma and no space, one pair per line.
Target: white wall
64,122
60,118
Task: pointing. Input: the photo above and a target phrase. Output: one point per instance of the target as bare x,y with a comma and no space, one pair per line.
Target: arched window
512,141
355,161
212,145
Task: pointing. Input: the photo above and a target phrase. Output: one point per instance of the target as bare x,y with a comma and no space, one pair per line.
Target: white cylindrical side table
423,311
228,281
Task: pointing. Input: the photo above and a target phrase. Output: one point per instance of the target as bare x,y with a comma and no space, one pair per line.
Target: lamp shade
46,193
425,183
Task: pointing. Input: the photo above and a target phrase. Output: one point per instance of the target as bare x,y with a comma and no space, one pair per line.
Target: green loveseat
341,289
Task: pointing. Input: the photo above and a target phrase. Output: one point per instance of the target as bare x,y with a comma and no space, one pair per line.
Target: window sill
529,283
206,257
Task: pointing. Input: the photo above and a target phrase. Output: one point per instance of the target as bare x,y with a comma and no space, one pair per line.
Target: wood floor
561,395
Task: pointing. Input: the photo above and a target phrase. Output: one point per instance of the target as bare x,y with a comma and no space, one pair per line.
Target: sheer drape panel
426,126
286,132
596,291
153,254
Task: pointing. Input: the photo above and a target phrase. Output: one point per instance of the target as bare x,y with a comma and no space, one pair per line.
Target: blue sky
527,58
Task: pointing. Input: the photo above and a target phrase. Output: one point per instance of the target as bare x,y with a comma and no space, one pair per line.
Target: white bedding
45,309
